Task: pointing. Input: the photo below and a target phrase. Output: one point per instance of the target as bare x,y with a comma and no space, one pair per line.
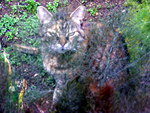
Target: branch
25,49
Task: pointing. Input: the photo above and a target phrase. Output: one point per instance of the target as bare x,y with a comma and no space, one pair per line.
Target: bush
138,30
7,24
31,5
53,6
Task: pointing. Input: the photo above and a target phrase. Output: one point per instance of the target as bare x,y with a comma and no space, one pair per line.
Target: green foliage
11,25
99,6
138,30
25,28
1,56
12,99
14,8
28,26
8,87
16,58
107,5
134,3
31,6
91,20
18,9
83,1
92,11
7,24
65,3
73,99
8,0
53,6
0,6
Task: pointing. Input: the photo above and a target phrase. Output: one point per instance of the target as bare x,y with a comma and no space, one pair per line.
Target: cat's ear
44,15
78,15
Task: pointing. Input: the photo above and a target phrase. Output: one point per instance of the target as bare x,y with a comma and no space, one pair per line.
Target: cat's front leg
60,84
57,91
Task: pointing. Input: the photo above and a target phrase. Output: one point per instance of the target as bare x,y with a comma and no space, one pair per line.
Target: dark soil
104,10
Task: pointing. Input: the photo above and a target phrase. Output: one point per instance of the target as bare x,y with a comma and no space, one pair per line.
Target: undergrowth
134,25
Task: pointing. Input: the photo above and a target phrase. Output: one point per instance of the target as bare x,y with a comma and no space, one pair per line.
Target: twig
25,49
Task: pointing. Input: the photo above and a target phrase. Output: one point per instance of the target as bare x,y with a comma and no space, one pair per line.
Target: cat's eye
49,34
57,38
52,34
71,34
67,38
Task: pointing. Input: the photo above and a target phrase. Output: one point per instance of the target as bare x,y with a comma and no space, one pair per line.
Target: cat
64,43
66,39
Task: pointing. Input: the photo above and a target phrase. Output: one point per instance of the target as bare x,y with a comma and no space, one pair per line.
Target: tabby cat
64,43
66,39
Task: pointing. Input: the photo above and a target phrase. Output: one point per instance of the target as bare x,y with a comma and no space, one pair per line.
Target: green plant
107,5
17,58
7,24
91,20
8,0
0,6
28,26
14,8
53,6
31,6
92,11
1,56
65,3
12,99
113,5
99,6
50,80
8,88
83,1
17,9
134,3
138,30
73,97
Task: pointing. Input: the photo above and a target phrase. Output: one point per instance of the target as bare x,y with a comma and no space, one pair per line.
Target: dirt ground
102,11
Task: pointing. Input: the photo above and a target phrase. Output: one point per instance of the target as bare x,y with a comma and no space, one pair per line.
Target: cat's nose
62,41
62,48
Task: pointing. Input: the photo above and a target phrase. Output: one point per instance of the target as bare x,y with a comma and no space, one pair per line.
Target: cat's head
62,32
